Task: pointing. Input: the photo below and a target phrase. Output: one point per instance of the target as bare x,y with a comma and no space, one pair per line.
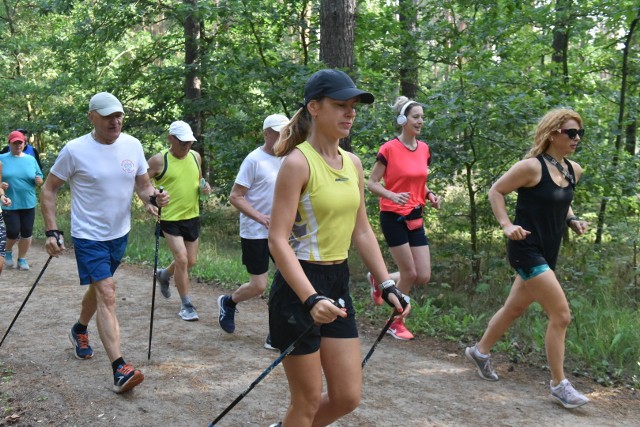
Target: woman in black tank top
544,182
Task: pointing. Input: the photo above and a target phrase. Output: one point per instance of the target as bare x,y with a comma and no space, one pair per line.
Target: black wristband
572,218
57,234
313,300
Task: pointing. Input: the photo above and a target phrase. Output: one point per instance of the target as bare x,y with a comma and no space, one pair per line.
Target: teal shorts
531,272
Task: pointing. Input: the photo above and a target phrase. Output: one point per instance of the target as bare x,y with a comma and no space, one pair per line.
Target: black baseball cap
334,84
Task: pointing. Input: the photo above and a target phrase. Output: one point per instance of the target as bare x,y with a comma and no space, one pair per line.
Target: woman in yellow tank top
319,195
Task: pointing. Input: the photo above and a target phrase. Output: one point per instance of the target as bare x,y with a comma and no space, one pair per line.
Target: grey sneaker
188,313
164,283
483,365
566,395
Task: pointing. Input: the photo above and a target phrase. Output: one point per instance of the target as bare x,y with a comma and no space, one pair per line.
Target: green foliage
485,75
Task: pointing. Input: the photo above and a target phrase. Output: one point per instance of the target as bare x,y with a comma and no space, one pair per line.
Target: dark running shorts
255,255
19,223
188,229
396,233
289,318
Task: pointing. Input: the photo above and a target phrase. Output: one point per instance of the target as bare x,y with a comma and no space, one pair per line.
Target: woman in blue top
21,175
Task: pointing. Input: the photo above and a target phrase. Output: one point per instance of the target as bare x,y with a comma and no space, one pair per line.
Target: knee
409,276
346,404
515,311
191,263
423,279
561,319
181,260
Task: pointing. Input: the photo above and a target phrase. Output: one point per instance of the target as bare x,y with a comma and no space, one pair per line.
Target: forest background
485,72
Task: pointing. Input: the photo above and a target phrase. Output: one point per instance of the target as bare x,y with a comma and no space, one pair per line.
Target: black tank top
542,210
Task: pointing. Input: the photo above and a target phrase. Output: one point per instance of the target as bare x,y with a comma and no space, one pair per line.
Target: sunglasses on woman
572,133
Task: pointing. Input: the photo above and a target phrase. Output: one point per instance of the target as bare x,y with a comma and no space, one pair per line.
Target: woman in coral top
403,164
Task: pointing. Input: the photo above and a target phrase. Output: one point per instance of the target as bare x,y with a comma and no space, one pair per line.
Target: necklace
562,170
410,147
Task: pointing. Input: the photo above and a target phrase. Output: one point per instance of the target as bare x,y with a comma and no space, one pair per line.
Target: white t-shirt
258,174
102,180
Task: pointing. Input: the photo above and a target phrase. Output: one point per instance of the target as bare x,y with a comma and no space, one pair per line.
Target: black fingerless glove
57,234
315,298
388,287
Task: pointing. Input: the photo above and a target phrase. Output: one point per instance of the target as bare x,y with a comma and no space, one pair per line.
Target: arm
578,225
292,178
3,198
375,186
525,173
48,198
145,190
236,198
207,188
366,243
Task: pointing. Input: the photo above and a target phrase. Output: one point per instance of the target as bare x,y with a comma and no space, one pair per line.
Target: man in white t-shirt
252,195
103,168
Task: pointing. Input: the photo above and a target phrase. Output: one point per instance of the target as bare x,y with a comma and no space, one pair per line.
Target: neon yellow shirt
327,209
181,179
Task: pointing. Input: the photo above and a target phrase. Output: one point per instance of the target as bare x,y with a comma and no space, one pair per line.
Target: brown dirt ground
196,369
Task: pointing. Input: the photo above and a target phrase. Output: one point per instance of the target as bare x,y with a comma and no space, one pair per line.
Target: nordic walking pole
155,276
275,363
380,336
27,298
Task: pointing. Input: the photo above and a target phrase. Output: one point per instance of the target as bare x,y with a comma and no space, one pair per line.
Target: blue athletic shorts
98,260
289,318
531,272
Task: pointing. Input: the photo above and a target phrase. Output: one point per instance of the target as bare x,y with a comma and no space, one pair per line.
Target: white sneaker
566,395
188,313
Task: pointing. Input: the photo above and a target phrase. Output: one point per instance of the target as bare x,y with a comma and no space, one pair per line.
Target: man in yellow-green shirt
178,169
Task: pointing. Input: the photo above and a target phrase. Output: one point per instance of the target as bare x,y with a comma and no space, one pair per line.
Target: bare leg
23,247
517,302
106,320
304,374
255,287
341,365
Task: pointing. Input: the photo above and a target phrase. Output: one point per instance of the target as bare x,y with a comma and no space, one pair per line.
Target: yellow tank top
181,179
327,209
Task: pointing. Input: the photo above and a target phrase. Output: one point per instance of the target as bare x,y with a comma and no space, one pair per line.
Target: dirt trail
196,369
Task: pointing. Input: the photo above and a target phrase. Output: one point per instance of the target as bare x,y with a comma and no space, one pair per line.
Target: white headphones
402,119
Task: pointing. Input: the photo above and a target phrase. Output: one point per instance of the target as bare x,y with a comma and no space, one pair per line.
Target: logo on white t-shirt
127,166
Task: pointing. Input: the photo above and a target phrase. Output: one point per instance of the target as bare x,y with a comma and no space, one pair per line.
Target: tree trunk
621,115
408,16
337,28
560,42
192,89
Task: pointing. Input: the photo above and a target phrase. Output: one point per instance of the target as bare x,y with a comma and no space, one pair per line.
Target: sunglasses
572,133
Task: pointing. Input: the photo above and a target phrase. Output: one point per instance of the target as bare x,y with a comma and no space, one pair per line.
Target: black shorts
255,255
396,232
188,229
289,318
19,223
